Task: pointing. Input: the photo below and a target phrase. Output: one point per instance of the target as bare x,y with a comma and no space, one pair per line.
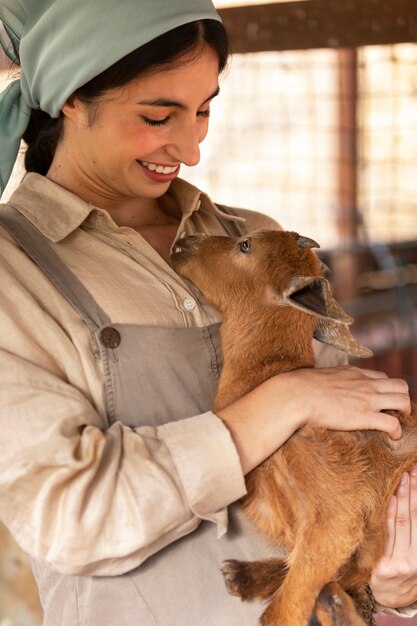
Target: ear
314,295
74,110
338,335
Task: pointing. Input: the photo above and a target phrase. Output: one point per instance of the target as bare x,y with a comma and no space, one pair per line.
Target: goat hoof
367,607
236,578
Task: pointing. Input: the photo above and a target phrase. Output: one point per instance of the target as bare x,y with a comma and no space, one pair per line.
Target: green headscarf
62,44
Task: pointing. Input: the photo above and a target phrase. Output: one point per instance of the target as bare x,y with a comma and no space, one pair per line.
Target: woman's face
141,133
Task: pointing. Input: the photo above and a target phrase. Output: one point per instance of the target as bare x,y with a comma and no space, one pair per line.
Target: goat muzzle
187,245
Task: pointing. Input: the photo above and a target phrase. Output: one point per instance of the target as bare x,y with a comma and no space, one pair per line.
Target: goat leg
255,579
313,563
334,607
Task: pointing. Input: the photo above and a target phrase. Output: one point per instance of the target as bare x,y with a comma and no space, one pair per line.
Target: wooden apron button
110,337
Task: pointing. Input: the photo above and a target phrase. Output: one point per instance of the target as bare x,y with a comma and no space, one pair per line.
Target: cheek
136,138
204,277
203,130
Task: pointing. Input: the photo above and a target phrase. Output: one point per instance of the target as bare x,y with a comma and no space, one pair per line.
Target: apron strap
36,246
233,229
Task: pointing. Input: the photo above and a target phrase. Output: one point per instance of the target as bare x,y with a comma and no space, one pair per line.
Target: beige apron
182,584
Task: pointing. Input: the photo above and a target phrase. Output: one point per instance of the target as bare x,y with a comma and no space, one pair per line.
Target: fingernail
414,470
392,501
404,479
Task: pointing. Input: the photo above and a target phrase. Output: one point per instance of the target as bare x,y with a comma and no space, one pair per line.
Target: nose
186,145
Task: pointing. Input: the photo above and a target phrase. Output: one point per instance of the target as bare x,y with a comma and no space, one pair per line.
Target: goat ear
314,295
338,335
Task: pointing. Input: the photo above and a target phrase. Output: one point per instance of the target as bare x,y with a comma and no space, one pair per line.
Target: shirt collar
53,210
57,212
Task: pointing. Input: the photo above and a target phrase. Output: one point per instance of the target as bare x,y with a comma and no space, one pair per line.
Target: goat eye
245,246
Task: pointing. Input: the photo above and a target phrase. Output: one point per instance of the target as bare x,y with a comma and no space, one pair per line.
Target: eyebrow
164,102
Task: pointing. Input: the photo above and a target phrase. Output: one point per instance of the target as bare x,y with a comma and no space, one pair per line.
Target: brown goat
324,494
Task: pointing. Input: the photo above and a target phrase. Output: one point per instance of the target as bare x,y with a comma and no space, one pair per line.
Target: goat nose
306,242
192,239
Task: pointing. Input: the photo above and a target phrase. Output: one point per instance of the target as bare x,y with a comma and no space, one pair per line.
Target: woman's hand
349,398
394,580
337,398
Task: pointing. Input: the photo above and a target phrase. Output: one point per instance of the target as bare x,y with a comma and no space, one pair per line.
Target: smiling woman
115,475
152,119
151,137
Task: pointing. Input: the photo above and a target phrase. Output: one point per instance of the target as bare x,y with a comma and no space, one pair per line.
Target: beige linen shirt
73,491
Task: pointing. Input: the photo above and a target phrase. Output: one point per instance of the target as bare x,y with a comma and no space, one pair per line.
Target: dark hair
43,132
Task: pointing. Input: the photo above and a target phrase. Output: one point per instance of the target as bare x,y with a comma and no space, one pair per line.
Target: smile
159,169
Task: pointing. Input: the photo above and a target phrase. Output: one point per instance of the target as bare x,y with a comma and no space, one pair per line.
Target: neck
258,345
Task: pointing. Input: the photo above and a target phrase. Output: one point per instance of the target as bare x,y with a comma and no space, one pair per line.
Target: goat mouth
186,246
182,249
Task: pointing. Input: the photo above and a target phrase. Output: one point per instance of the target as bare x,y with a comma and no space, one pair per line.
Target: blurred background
316,126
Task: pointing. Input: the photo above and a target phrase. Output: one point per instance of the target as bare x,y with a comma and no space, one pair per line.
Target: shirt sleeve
405,611
97,501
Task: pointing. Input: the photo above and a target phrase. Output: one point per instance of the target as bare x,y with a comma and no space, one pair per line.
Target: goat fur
323,495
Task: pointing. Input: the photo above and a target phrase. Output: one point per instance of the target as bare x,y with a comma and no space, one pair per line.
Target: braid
41,137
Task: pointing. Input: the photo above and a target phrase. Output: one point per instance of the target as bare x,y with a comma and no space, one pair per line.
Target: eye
245,246
150,122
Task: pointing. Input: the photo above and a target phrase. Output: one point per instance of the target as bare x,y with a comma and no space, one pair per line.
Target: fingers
383,382
403,516
375,420
392,402
413,507
390,394
393,394
348,398
372,373
395,431
390,523
394,579
403,520
382,392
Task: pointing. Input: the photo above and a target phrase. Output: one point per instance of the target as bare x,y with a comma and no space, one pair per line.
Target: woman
116,477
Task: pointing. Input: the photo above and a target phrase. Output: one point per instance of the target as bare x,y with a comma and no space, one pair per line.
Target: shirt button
110,337
189,304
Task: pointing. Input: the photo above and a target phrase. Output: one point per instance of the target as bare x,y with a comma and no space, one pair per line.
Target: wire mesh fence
388,141
276,132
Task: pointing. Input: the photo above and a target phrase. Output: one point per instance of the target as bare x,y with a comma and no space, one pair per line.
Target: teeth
159,169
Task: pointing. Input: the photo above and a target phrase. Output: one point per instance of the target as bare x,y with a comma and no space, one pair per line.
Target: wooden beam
347,266
320,24
348,218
